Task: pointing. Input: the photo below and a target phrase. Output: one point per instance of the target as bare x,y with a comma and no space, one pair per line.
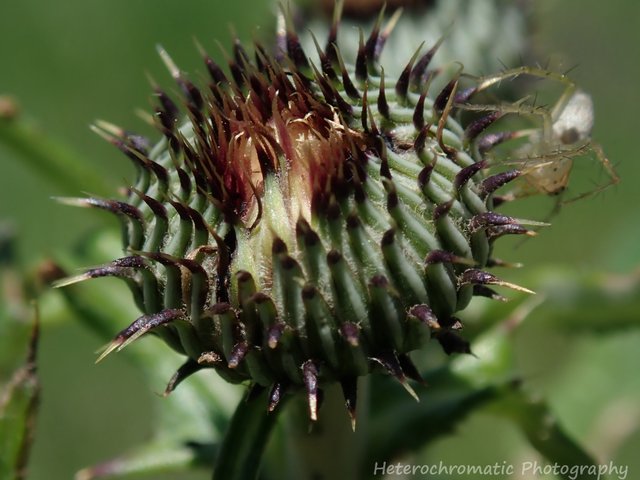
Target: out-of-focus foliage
19,383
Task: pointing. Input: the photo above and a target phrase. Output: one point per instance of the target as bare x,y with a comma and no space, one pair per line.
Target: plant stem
328,448
243,445
51,158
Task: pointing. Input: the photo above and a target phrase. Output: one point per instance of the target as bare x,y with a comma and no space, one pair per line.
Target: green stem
52,159
243,445
327,448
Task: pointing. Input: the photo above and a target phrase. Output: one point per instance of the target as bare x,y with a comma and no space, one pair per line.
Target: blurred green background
68,63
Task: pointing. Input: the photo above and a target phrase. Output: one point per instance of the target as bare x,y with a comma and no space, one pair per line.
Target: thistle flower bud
303,223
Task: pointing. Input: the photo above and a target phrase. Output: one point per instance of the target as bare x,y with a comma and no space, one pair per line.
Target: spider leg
485,82
608,168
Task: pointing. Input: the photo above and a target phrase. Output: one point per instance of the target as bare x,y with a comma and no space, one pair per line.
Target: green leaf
400,425
488,381
530,414
154,458
538,423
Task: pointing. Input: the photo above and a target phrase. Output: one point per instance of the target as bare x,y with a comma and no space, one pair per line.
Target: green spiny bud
307,223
